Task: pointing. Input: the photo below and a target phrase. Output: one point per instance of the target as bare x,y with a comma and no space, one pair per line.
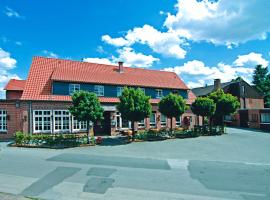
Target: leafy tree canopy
203,106
226,104
172,105
86,106
261,79
134,104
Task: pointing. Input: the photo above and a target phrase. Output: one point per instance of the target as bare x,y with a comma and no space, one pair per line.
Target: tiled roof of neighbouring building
15,85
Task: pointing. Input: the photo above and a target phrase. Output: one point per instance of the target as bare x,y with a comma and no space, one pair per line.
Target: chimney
121,67
217,84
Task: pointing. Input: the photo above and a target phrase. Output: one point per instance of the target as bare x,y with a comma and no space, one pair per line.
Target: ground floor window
78,125
122,123
42,121
61,121
163,121
228,118
141,124
265,117
178,121
3,120
153,120
49,121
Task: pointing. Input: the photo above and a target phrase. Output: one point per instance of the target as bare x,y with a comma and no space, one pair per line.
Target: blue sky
199,40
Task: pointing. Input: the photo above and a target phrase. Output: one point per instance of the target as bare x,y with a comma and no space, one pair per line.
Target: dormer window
159,93
99,90
73,88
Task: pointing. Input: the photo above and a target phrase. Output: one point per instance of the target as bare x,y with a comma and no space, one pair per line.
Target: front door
243,118
104,127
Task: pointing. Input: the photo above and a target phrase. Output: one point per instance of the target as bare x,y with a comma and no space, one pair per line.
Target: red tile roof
15,85
44,70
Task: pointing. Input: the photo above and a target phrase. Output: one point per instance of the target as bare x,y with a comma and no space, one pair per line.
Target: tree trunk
88,129
171,126
133,130
203,120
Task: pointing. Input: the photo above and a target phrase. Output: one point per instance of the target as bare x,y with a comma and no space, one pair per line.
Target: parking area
231,166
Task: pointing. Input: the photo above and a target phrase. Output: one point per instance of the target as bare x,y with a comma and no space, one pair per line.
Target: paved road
232,166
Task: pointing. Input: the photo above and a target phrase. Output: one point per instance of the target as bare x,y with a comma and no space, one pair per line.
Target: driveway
232,166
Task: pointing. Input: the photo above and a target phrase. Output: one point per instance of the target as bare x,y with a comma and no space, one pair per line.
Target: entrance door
104,127
243,118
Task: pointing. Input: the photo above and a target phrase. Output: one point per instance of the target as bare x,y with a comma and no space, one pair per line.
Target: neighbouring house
40,103
251,113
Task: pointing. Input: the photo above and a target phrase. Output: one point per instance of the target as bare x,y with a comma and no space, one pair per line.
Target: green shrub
19,137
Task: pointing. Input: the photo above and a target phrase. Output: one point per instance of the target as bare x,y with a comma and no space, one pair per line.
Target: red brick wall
13,95
254,103
15,120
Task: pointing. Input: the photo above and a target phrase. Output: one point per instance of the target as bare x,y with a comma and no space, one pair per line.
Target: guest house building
40,103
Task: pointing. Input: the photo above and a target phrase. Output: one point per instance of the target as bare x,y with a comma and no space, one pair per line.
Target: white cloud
118,42
12,13
128,56
6,63
221,22
196,74
251,60
131,58
105,61
165,43
50,54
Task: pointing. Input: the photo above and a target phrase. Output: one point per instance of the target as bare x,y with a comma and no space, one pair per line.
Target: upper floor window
159,93
243,89
175,92
99,90
3,120
142,89
119,91
73,88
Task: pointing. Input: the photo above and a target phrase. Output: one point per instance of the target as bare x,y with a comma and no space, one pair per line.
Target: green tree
134,106
226,104
203,106
86,107
172,105
261,79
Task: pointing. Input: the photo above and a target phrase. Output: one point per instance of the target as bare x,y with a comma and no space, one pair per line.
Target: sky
200,40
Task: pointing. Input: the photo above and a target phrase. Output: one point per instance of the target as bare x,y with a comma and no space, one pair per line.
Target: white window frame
163,124
3,121
61,116
265,118
141,124
153,124
78,125
120,125
42,115
178,123
99,90
159,93
74,88
119,91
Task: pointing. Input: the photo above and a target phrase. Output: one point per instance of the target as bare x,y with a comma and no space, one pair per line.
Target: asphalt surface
232,166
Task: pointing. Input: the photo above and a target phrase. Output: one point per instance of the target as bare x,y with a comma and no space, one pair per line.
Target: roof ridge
109,65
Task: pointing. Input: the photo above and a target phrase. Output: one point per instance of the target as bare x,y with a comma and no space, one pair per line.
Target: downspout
30,118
